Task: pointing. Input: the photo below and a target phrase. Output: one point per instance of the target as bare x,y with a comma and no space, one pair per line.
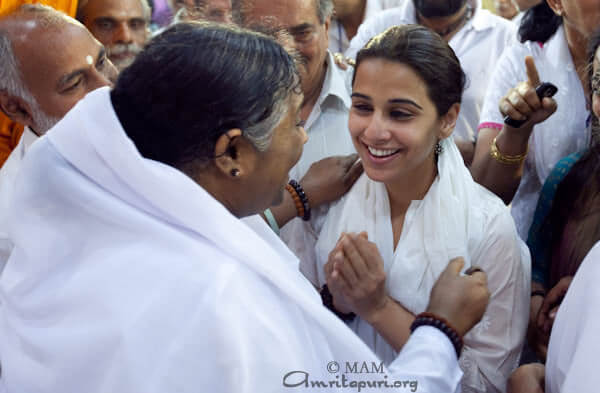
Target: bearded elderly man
48,62
123,26
477,36
324,110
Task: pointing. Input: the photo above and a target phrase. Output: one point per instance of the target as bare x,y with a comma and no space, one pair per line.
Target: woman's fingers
532,73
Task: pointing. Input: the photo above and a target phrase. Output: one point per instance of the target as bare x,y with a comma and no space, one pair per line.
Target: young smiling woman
420,208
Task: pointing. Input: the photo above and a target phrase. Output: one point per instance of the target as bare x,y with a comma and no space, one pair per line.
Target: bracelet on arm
327,299
429,319
271,220
506,159
300,199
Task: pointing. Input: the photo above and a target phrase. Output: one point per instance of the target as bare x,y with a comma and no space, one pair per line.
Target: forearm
285,211
500,178
392,322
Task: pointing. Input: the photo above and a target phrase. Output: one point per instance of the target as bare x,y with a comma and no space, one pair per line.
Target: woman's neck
578,43
412,186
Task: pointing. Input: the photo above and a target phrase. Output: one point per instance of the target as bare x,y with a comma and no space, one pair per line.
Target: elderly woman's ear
234,154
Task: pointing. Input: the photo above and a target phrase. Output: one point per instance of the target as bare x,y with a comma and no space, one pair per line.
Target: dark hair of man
427,54
194,82
239,9
438,8
539,23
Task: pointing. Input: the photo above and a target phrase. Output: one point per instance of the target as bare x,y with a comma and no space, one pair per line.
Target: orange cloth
67,6
10,132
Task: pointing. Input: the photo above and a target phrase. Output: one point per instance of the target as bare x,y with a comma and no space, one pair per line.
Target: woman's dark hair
427,54
539,23
194,82
574,219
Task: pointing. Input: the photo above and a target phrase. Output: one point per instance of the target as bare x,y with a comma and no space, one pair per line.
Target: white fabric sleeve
430,357
509,71
493,346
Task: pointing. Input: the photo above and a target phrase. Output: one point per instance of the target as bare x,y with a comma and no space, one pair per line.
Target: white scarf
129,277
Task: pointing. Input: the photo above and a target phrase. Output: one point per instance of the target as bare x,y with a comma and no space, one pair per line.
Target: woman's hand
355,276
329,179
461,300
523,103
527,379
552,301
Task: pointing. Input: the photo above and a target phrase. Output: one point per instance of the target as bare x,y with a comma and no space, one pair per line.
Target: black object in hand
545,89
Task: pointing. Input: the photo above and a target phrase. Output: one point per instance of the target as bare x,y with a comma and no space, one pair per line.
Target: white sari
127,276
457,218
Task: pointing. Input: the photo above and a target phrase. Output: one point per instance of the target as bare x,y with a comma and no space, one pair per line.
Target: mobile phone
545,89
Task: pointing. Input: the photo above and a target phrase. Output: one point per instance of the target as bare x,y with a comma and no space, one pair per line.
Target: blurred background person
123,26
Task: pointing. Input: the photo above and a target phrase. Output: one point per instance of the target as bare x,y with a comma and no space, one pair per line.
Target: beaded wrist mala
327,299
300,199
429,319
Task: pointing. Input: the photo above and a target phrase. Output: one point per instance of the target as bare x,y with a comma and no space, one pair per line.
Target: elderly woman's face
274,164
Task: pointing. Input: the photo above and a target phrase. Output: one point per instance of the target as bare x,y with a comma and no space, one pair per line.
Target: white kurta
478,45
574,343
127,276
563,133
457,217
8,175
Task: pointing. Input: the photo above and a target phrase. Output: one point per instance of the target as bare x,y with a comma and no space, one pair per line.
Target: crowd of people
277,195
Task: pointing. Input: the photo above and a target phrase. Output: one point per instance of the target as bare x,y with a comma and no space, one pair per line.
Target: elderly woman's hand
329,179
355,276
523,103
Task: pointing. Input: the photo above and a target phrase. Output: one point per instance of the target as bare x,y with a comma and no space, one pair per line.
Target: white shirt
151,285
8,174
456,218
574,343
563,133
338,39
478,45
328,135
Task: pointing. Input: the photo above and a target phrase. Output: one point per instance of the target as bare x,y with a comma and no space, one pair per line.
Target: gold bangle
505,159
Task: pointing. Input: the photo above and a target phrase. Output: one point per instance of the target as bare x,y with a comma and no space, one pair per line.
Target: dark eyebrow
65,79
404,101
300,28
358,95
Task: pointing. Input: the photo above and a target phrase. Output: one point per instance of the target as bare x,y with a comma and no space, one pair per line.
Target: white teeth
381,153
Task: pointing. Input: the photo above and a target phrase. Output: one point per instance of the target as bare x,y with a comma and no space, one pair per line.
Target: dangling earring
235,172
438,149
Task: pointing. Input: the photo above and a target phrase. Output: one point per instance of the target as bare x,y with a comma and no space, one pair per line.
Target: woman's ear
233,155
449,121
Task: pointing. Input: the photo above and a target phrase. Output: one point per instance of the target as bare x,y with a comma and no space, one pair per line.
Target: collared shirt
478,45
8,175
338,40
563,133
327,123
328,135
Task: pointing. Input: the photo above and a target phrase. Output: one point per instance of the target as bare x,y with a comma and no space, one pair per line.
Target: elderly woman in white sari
132,271
418,203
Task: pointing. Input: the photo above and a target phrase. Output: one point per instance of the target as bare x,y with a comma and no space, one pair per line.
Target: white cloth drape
456,218
574,343
127,276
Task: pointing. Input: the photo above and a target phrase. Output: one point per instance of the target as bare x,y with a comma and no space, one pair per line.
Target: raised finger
532,72
455,266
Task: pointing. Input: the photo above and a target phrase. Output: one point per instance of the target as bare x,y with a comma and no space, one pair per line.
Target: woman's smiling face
393,123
